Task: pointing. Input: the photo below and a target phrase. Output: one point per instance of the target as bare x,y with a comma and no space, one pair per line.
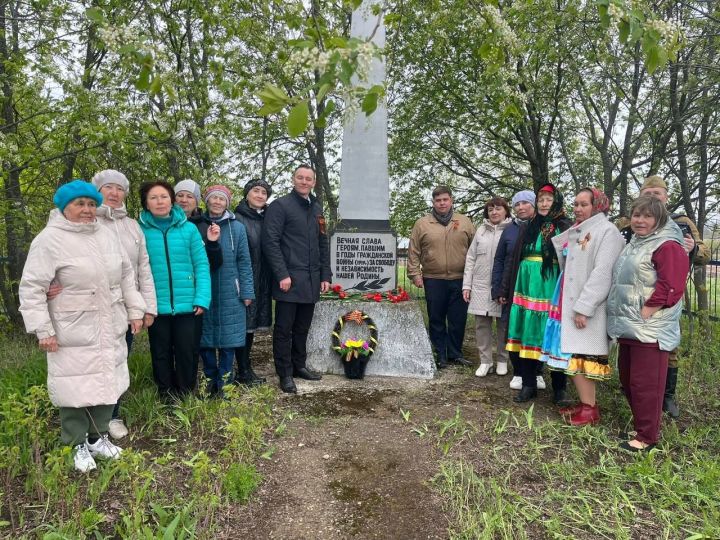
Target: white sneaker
516,383
84,462
483,370
117,428
540,382
103,448
501,368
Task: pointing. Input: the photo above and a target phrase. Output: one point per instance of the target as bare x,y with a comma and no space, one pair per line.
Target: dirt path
348,465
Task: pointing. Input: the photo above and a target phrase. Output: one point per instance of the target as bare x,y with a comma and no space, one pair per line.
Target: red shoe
570,409
587,415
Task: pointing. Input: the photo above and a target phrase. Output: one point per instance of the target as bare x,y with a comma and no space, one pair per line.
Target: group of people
559,290
201,283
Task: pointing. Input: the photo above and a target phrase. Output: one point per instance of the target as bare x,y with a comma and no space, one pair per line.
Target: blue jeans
218,367
447,314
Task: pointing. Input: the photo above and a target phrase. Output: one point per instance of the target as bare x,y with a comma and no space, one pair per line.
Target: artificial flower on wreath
352,348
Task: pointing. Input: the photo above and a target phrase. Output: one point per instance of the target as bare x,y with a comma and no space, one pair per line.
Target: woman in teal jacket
181,272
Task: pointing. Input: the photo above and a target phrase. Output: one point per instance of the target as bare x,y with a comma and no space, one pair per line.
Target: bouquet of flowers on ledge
336,292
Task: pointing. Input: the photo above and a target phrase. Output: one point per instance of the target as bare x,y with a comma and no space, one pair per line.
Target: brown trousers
643,371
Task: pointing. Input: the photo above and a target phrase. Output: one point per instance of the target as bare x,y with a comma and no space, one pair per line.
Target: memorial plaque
363,261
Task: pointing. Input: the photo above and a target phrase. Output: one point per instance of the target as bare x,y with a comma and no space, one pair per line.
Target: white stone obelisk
364,182
363,248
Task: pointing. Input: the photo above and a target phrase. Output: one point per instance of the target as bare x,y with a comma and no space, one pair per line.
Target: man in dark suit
295,243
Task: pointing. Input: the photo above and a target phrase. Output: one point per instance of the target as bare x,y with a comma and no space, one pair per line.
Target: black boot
669,404
245,374
526,394
287,385
559,385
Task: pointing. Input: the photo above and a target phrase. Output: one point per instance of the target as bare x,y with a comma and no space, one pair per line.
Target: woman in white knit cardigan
477,283
586,252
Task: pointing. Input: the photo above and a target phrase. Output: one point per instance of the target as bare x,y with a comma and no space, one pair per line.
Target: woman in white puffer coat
113,187
83,327
477,284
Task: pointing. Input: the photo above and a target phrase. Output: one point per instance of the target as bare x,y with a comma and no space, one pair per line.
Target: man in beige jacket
436,260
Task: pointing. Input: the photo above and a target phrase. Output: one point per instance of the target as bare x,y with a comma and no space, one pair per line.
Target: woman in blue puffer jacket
224,325
181,272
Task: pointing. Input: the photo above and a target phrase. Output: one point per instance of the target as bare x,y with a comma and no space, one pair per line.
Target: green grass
516,475
183,465
544,479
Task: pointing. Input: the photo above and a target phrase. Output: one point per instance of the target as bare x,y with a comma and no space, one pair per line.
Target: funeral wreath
355,353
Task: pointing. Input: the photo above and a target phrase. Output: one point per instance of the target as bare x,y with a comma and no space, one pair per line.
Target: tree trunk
17,234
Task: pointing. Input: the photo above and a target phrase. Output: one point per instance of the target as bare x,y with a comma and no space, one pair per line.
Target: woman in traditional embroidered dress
576,341
535,268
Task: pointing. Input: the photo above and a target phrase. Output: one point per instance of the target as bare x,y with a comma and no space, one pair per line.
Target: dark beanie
257,182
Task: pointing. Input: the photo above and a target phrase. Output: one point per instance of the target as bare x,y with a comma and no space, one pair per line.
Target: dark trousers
643,370
515,361
447,314
172,348
528,371
198,335
76,423
290,332
242,354
129,340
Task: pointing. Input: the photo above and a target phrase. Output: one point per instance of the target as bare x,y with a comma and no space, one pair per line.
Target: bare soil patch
350,466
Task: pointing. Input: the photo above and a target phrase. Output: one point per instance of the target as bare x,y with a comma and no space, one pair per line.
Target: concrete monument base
403,345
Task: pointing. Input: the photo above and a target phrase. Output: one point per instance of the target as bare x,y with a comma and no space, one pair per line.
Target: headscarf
600,202
545,226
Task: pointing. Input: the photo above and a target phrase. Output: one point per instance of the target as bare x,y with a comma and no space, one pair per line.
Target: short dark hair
147,186
496,201
440,190
645,204
303,166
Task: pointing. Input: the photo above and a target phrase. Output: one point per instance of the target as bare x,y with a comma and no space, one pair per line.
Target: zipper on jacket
167,260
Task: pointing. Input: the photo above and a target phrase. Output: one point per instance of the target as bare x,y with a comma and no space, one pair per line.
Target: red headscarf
600,202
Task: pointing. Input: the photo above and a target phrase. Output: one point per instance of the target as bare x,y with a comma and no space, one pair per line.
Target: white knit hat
190,186
110,176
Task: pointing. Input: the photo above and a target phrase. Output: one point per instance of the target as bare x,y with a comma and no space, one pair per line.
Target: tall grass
182,464
544,479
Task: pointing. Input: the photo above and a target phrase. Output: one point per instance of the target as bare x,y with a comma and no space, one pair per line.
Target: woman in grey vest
644,313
